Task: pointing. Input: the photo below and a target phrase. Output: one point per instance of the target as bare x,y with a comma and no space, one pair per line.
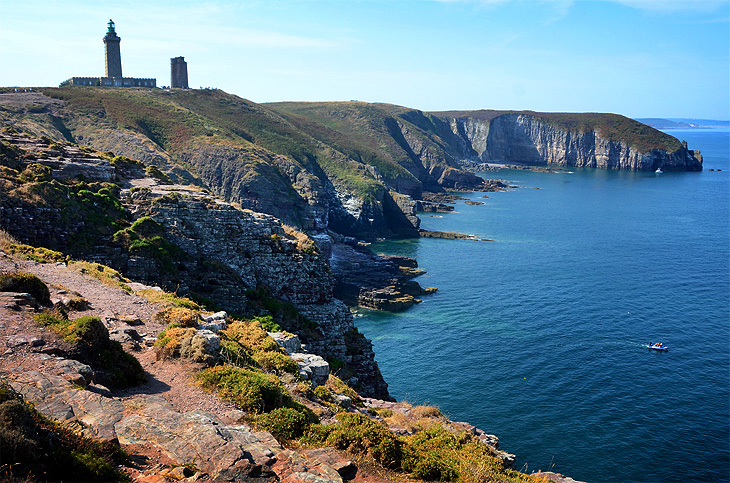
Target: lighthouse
113,61
113,54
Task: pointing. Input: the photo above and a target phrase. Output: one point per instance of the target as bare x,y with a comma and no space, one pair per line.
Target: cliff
297,170
183,239
229,405
150,386
605,141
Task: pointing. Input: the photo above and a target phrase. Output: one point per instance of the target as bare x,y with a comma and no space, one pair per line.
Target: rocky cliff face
530,139
186,240
261,255
240,151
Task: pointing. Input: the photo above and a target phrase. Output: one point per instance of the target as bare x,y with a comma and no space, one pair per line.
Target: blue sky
640,58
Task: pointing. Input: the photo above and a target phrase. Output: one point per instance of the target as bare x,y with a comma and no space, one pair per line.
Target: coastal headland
215,239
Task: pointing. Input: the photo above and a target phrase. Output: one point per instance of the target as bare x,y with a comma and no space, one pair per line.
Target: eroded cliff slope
296,169
606,141
60,196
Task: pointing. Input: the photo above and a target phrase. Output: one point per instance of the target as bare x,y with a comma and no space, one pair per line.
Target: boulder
342,401
312,367
76,372
225,452
214,322
290,342
56,398
201,347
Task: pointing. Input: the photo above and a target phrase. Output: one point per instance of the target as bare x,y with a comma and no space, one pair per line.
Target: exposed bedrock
523,138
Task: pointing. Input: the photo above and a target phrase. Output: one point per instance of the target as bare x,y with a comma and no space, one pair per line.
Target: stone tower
113,54
178,73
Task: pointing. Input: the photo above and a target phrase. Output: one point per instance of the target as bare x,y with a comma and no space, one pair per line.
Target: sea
539,336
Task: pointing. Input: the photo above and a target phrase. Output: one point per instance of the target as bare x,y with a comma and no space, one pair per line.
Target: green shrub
253,391
234,353
283,423
35,173
90,338
323,394
124,162
155,172
87,330
431,454
268,324
360,435
146,236
276,361
26,283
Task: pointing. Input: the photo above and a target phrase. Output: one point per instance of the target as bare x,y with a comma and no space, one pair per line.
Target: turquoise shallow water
537,337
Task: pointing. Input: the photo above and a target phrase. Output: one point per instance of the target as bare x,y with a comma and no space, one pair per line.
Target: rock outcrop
375,281
192,243
223,450
534,138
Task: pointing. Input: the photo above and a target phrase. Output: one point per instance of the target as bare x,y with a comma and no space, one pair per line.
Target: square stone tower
113,54
178,73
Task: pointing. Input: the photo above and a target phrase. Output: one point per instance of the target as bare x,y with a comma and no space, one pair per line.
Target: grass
180,121
336,385
168,299
38,254
106,275
170,340
253,391
358,129
181,316
434,453
6,239
304,242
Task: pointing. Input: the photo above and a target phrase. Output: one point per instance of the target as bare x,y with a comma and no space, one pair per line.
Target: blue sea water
538,337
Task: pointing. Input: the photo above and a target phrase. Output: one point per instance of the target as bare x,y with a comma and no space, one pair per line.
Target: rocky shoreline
183,239
172,429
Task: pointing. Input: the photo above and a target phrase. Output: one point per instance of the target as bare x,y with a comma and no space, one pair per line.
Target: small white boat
657,346
659,171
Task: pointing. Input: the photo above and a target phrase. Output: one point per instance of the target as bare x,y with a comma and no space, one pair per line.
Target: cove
538,337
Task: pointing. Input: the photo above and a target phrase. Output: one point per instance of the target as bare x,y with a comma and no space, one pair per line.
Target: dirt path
114,306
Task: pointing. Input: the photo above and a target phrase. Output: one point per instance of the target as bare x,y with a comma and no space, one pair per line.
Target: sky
639,58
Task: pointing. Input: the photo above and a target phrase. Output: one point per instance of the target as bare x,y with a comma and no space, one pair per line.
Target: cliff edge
587,140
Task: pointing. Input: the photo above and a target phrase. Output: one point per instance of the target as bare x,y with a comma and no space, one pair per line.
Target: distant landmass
682,123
